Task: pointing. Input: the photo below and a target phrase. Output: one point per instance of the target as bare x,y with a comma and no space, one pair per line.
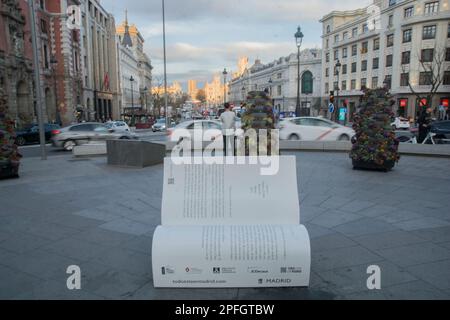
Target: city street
68,211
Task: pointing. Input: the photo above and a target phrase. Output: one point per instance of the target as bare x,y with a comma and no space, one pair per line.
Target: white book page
208,194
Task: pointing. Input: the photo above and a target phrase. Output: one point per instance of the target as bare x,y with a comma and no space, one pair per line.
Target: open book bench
229,226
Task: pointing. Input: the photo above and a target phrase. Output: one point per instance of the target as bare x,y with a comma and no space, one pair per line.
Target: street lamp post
337,71
165,66
298,40
132,97
225,86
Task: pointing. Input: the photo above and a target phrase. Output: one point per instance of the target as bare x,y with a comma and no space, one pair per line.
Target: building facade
134,64
398,44
192,89
280,79
16,60
99,64
215,90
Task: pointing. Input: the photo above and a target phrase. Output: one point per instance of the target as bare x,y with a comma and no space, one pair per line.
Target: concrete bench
89,149
134,153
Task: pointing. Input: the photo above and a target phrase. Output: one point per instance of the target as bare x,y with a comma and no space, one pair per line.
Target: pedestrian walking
228,119
424,124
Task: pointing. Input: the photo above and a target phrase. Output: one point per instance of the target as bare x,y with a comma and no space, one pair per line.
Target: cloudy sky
204,36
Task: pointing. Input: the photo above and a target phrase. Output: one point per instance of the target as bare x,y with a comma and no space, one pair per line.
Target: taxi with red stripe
314,129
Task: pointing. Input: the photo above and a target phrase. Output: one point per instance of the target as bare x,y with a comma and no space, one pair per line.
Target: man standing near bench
228,119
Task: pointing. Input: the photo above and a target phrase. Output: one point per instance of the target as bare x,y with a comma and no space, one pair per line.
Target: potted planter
8,169
371,165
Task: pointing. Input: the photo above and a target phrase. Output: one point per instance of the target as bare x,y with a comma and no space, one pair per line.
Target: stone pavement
64,212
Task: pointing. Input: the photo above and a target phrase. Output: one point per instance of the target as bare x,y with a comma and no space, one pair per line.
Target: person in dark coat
424,124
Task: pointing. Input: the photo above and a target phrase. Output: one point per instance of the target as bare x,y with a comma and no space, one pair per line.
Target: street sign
331,108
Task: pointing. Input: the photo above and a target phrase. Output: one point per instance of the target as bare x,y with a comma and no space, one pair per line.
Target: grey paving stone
140,244
13,283
134,263
77,249
334,218
127,226
57,290
364,226
331,241
356,206
415,254
50,231
421,223
415,290
377,210
94,213
77,222
23,243
435,273
435,235
342,257
335,202
388,239
41,264
308,212
316,231
400,215
103,237
353,279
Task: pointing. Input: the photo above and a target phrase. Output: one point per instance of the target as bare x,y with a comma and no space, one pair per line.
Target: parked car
69,137
118,126
314,129
31,134
441,131
401,123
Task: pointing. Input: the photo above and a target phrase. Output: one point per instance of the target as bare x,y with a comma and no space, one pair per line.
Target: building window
344,52
344,85
44,28
327,88
448,30
328,29
391,20
354,50
389,60
429,32
427,55
353,85
45,53
344,69
363,83
425,78
353,67
42,4
376,44
345,35
279,90
447,54
392,2
390,40
327,72
327,57
364,65
388,81
446,78
336,54
374,82
431,7
335,85
327,45
406,57
407,35
307,82
408,12
365,28
354,32
375,63
404,79
365,47
336,38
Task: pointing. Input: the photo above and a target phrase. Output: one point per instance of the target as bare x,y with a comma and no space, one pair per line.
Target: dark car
441,129
31,133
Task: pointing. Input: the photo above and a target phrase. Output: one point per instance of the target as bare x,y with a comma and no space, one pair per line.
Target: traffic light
331,96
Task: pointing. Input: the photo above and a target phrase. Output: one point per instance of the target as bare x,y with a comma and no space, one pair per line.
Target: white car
118,126
401,123
314,129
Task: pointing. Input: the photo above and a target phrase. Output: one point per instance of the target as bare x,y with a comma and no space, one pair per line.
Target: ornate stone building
16,67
